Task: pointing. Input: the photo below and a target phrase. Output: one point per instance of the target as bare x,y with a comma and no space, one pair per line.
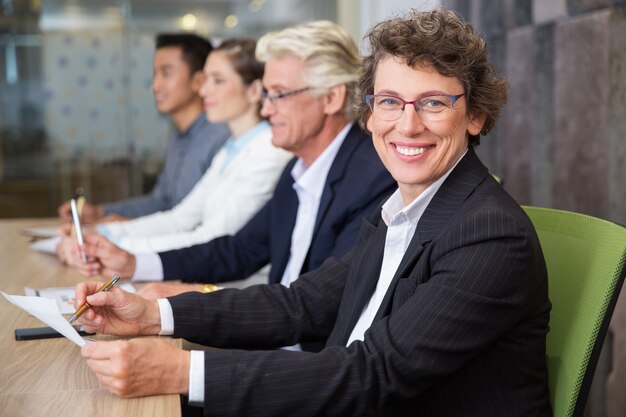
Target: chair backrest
586,260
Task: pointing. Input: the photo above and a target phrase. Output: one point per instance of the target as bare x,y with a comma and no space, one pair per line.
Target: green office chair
586,259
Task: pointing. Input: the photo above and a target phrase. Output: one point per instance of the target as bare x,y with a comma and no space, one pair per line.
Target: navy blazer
460,332
356,184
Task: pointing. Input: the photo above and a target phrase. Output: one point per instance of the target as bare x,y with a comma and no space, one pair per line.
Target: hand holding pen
116,311
106,287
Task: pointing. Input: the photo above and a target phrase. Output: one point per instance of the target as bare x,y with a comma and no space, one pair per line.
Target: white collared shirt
309,185
401,224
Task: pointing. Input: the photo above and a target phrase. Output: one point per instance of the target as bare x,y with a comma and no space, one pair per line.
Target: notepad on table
41,232
63,297
46,245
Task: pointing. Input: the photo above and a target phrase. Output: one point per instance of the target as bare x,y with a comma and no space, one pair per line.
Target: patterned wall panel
97,97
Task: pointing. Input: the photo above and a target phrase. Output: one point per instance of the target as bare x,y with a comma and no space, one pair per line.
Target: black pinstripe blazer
461,330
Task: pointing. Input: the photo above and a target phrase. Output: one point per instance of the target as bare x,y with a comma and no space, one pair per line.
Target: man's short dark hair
195,48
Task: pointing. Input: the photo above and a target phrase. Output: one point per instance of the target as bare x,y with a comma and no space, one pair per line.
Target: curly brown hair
440,40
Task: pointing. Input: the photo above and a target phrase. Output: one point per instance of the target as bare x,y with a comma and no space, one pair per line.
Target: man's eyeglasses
432,108
273,98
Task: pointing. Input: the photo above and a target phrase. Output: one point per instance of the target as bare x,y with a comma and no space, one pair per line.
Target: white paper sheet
46,245
64,296
46,310
50,231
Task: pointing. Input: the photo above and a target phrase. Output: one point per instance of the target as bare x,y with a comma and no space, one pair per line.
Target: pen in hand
85,306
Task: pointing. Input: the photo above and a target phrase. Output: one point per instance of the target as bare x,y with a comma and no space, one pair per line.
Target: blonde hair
331,56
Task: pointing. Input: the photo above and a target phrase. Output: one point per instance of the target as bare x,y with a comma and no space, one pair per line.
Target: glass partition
76,108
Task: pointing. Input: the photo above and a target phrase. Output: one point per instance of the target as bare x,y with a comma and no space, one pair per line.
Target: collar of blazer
289,200
338,169
461,182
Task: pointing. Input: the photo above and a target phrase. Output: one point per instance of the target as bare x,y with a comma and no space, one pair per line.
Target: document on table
46,245
64,296
46,310
50,231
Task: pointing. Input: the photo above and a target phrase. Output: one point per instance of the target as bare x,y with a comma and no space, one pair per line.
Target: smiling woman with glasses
461,263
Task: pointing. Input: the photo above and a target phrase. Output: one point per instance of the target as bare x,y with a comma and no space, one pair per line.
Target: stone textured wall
561,141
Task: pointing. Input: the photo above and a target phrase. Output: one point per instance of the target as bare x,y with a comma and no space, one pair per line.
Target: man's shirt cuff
196,362
196,378
167,317
148,267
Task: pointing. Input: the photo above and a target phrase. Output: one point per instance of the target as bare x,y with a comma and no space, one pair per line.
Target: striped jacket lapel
367,272
461,182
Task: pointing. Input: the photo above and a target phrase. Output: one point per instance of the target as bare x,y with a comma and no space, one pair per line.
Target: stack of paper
46,310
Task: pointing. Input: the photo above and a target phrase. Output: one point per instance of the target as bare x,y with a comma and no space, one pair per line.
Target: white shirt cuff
148,267
167,317
196,362
196,378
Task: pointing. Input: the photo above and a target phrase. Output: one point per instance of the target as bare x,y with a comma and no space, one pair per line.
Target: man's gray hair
331,55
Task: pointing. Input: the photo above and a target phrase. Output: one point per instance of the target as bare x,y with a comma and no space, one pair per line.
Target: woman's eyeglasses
432,108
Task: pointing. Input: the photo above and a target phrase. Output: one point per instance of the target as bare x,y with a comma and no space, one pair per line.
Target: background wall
90,85
562,140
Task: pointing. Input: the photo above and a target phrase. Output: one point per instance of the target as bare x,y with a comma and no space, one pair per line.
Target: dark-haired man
177,77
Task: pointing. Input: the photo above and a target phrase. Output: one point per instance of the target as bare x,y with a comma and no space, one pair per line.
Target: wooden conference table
49,377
